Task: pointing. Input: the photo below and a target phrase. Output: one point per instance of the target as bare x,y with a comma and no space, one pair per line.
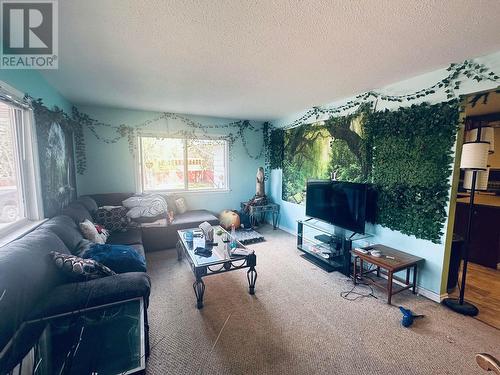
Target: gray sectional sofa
32,288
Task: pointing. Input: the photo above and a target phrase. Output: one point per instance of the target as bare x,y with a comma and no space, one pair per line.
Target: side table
392,261
258,213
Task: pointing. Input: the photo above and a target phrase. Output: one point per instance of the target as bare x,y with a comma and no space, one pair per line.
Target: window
18,189
183,164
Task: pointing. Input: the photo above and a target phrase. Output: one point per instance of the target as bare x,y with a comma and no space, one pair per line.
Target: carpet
297,323
248,236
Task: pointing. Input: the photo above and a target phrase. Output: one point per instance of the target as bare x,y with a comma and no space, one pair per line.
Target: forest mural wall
405,154
55,132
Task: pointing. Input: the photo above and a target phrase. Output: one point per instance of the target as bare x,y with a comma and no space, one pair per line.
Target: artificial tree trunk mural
335,147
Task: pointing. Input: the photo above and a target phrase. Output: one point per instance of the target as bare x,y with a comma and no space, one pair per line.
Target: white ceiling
259,59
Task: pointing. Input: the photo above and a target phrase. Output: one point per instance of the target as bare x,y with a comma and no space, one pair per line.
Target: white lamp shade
481,179
487,135
475,156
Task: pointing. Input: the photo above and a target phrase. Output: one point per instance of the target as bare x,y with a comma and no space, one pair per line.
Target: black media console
326,246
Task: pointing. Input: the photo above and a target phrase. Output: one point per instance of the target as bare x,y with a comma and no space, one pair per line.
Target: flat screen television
340,203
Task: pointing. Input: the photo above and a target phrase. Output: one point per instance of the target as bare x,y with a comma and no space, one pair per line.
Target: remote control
362,251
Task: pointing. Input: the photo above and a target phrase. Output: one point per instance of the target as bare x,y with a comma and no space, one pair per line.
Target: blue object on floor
408,317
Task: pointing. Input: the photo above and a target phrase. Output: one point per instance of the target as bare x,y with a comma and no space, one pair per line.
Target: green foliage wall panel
406,154
411,158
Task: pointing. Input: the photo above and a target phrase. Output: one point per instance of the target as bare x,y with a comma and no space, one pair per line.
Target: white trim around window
139,166
27,192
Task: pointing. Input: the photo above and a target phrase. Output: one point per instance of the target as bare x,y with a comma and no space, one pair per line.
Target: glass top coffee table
219,260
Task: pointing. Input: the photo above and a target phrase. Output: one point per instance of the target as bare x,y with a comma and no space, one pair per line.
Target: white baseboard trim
433,296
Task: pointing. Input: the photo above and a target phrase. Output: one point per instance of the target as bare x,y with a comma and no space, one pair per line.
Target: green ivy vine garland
235,131
457,73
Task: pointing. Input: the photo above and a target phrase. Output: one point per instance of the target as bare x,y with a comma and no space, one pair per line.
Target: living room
249,187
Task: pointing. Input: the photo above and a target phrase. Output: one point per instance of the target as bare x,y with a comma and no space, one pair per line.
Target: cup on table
188,236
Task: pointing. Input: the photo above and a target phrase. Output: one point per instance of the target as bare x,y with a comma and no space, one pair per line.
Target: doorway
482,111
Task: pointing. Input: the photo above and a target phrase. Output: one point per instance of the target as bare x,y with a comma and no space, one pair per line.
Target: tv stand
326,246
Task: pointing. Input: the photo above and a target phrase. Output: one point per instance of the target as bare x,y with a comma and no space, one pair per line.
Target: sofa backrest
108,199
77,211
66,229
26,275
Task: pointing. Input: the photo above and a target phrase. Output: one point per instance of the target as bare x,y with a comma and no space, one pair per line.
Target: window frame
140,176
27,167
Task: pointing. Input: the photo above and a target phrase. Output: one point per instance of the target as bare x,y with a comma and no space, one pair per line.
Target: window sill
18,230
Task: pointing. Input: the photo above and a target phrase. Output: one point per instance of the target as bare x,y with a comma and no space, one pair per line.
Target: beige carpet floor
297,323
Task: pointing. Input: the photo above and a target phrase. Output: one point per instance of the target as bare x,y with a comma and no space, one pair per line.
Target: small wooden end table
391,261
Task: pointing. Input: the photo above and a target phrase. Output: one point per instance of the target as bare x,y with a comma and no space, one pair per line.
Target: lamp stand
459,305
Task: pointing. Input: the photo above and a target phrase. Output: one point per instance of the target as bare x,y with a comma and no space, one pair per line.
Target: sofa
32,288
156,235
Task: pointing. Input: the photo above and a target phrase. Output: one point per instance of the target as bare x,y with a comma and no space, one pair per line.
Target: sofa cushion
26,276
130,237
75,296
77,212
193,218
110,199
66,229
88,202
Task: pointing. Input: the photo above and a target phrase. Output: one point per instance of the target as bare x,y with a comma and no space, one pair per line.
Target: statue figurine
260,188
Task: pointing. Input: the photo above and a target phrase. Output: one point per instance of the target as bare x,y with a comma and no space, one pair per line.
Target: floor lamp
475,161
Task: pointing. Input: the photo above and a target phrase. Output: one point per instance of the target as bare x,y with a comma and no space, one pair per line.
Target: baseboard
433,296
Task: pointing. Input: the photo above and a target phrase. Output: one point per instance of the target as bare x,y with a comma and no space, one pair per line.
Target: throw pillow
119,258
103,232
77,268
145,206
180,203
89,231
113,218
170,198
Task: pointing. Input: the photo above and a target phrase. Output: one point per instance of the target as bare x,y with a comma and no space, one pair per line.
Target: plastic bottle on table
234,244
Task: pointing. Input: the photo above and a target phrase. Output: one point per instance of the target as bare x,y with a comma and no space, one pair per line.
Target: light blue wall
110,167
31,82
436,255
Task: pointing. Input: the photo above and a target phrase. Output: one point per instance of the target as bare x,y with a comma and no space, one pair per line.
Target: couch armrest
72,297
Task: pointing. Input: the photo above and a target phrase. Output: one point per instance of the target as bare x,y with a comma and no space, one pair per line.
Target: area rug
247,236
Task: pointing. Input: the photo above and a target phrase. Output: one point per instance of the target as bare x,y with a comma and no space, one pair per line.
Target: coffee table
220,261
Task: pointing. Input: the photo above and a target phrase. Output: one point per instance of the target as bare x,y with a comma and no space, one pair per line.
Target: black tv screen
342,204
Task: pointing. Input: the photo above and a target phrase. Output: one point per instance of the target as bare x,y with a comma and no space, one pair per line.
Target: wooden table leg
408,276
414,289
378,271
389,287
361,267
354,269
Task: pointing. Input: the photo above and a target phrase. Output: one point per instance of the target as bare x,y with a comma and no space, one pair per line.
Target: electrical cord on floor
357,295
345,295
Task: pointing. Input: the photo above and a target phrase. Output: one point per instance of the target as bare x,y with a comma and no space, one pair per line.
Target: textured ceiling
260,59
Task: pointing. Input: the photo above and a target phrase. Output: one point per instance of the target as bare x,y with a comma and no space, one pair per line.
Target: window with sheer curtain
19,195
178,164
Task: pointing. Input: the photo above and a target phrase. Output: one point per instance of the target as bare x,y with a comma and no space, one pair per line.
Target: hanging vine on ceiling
449,85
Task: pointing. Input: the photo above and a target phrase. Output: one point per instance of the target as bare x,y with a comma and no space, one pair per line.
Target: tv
340,203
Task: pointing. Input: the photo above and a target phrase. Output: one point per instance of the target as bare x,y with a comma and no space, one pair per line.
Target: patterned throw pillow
113,218
146,206
79,269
